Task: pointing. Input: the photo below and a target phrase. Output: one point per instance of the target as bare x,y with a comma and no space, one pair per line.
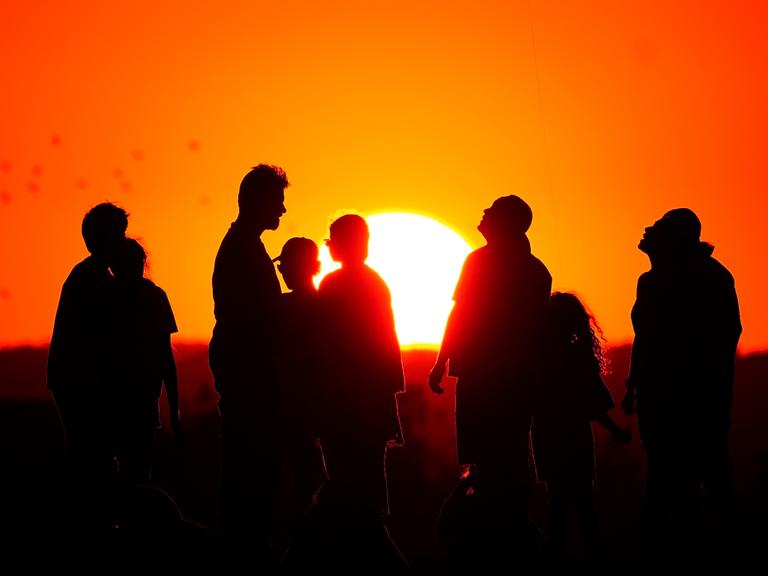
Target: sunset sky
601,114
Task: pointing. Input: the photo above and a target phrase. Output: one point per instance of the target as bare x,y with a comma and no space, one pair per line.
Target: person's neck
251,225
353,264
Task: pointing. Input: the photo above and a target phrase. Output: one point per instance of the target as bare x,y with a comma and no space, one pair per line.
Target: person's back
363,366
361,374
365,370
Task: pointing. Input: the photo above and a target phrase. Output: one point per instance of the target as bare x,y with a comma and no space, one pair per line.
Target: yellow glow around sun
420,260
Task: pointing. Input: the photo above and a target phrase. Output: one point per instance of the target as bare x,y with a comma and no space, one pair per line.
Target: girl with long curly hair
572,394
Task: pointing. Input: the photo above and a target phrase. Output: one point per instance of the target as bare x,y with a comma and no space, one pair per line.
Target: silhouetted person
363,367
300,363
362,372
492,342
143,363
243,358
570,395
77,374
687,326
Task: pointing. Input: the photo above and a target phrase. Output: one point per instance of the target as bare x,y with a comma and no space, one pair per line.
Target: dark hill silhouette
422,473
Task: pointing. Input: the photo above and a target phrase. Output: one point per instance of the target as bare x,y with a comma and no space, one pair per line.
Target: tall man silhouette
491,343
687,327
242,356
77,370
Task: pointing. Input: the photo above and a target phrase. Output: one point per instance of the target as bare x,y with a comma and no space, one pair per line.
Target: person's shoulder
86,266
646,278
232,238
149,286
478,254
84,271
477,258
331,280
714,267
539,267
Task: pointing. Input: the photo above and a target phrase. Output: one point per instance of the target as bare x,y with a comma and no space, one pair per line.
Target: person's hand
622,436
628,404
436,378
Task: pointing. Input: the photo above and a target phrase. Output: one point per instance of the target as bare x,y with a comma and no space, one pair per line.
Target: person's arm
619,434
170,381
437,373
460,293
638,360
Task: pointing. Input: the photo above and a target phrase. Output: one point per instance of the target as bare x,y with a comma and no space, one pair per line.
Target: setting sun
420,260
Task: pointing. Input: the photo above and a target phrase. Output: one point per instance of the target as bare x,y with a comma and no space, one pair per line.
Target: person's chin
645,245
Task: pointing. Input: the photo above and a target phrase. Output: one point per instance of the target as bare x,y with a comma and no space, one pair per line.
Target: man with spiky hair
242,356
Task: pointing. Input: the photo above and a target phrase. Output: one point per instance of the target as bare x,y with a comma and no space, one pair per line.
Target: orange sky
622,111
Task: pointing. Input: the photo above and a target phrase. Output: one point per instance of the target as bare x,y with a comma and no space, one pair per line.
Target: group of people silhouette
308,382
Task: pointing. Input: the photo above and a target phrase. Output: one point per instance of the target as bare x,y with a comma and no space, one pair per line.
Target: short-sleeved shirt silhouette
362,365
493,342
571,394
143,322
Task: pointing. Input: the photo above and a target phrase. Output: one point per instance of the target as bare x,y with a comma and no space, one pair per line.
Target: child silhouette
572,394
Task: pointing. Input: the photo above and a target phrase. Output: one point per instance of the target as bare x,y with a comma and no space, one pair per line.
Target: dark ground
421,474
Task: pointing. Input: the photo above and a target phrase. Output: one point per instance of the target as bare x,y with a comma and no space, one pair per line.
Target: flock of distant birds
33,183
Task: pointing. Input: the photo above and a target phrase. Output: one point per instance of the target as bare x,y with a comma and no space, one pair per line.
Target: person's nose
282,209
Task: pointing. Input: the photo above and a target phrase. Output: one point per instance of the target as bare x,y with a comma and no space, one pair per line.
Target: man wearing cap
687,326
242,357
491,343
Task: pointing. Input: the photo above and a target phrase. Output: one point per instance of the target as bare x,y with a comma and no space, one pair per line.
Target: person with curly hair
571,395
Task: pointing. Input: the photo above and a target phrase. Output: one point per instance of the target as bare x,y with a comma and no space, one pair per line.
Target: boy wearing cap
298,371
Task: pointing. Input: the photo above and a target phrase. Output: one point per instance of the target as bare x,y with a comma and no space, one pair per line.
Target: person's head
130,261
508,216
348,243
677,232
298,262
262,196
103,230
570,322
